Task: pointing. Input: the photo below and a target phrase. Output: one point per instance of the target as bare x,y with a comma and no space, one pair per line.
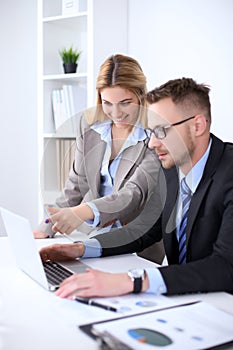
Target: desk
33,318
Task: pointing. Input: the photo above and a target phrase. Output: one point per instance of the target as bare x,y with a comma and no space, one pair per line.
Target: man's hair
185,92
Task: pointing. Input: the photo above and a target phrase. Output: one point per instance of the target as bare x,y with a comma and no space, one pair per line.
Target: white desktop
34,318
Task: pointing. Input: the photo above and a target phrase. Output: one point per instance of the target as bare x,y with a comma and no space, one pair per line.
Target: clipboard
107,339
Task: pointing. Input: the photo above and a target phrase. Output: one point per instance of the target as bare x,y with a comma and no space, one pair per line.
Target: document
193,326
132,304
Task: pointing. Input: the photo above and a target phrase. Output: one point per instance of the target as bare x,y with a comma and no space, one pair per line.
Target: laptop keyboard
55,272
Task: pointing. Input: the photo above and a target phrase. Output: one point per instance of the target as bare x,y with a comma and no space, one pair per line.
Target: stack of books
67,102
65,149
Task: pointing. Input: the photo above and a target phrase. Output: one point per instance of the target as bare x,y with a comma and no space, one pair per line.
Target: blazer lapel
215,154
129,159
169,215
94,149
170,208
195,205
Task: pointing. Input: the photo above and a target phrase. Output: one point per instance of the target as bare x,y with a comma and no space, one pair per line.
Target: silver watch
137,276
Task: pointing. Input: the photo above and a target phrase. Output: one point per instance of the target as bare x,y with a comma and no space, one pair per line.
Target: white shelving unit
99,29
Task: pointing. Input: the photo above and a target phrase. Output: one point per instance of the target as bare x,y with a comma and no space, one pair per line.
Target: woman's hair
125,72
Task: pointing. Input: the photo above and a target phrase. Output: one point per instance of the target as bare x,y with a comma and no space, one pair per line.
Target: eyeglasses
160,131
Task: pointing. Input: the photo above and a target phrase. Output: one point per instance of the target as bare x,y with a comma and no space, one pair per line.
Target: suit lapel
169,213
130,158
214,158
94,149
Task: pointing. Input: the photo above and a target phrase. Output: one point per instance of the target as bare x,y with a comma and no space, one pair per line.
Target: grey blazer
134,184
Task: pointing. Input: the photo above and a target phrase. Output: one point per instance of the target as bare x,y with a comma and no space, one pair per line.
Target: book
65,149
57,108
70,7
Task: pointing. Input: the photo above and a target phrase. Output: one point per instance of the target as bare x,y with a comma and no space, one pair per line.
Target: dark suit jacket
209,229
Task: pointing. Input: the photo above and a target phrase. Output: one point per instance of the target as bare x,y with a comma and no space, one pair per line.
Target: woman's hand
66,220
62,252
40,234
95,283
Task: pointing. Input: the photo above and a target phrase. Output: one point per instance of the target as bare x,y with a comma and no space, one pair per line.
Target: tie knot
184,187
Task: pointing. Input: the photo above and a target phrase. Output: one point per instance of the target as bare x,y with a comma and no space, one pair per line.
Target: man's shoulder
218,141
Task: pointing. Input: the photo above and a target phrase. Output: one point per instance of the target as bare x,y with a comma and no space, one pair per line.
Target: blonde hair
123,71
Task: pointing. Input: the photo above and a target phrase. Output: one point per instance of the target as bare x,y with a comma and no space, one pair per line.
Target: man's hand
62,252
95,283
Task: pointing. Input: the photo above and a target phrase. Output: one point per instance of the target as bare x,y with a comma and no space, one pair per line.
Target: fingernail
47,221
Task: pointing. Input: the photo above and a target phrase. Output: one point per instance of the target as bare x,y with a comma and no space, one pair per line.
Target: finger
59,227
40,234
68,290
52,210
72,285
68,229
55,228
44,256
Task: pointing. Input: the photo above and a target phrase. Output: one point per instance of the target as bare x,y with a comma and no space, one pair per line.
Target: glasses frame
162,129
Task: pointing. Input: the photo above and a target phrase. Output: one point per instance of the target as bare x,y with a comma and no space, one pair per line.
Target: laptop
48,274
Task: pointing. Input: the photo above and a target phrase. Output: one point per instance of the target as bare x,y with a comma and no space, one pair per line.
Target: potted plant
70,58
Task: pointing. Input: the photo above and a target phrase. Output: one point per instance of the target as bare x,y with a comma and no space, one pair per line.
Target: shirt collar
195,174
104,129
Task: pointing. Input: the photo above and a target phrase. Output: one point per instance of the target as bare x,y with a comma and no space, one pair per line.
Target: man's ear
200,124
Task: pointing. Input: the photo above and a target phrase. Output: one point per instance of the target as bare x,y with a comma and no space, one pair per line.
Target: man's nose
154,142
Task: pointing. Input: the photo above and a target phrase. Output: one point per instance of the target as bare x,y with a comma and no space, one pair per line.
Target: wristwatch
137,276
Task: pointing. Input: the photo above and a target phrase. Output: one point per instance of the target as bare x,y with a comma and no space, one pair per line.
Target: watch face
136,273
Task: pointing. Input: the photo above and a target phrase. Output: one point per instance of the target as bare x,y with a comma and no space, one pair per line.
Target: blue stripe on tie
186,197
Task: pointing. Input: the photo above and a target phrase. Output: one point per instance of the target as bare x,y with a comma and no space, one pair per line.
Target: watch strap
137,285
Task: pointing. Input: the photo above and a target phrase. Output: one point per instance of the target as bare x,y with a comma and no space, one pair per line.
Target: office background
170,38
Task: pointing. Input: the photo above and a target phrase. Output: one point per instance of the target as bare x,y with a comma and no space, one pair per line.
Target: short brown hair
186,92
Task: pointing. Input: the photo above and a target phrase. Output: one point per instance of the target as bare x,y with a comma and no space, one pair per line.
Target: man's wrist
145,282
80,248
137,277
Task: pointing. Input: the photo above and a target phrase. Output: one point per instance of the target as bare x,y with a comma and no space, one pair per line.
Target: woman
114,174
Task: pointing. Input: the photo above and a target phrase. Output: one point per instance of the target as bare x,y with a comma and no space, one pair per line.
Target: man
197,219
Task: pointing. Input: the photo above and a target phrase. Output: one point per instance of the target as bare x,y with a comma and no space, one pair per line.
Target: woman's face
120,105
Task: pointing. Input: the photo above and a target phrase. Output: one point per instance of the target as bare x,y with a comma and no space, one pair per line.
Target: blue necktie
186,197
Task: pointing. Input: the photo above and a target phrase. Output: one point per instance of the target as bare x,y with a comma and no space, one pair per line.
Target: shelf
63,77
85,31
63,18
57,136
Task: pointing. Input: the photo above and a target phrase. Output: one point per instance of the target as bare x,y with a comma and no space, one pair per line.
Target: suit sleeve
139,234
126,203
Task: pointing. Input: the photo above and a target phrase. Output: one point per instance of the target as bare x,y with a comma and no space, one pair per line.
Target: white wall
18,109
176,38
170,38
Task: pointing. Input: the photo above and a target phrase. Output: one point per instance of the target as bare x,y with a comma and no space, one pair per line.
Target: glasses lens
160,132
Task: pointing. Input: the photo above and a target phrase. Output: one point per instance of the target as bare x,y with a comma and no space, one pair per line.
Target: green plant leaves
70,55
